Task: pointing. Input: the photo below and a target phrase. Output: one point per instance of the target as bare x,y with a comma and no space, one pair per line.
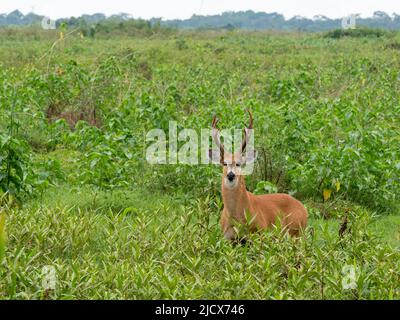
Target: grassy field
78,196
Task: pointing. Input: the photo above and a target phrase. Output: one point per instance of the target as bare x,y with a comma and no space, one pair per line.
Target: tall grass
113,226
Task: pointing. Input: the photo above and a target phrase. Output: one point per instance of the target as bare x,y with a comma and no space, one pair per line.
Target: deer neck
236,200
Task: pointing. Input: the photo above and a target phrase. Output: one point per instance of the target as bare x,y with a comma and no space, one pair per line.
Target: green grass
157,248
113,226
388,228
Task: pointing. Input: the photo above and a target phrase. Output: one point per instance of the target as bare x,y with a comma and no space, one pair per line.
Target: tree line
248,20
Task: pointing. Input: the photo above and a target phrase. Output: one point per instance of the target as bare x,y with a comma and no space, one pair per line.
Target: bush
359,32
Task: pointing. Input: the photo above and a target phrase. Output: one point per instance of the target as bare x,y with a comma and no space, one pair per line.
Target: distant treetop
248,20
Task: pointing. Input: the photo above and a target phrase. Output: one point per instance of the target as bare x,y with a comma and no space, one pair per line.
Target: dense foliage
248,20
332,126
74,113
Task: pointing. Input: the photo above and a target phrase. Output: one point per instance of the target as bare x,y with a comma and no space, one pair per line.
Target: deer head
233,162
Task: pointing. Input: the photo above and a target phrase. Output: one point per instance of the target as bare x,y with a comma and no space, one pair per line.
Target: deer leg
229,233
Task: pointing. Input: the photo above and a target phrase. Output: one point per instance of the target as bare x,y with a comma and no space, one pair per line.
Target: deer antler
247,132
215,135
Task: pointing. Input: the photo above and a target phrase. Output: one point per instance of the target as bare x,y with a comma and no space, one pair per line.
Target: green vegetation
2,233
356,33
78,195
156,248
247,20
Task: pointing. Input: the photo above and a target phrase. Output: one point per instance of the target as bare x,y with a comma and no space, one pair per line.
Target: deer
238,203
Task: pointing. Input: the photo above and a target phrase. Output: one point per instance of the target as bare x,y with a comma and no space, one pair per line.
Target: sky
182,9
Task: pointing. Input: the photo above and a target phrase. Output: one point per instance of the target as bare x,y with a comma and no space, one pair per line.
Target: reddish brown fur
263,209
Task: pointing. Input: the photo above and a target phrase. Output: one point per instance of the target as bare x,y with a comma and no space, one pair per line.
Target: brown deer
238,202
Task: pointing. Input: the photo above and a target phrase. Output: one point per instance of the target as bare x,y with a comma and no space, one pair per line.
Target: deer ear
250,156
215,156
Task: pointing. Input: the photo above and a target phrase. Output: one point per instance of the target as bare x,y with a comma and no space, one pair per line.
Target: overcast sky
170,9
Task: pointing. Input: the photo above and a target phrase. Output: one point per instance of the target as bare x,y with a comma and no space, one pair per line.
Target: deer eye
225,164
238,164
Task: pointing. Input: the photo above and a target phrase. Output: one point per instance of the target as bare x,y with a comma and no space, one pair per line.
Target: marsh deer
265,209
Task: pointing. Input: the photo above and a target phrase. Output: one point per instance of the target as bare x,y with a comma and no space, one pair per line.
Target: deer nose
231,176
